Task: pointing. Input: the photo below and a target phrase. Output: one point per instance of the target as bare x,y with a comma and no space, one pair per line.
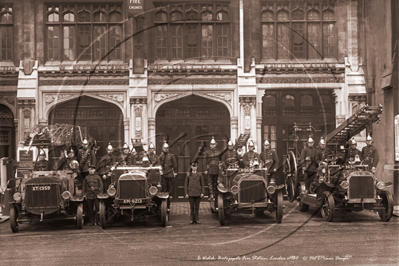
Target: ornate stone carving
9,99
115,97
184,80
49,98
301,80
247,100
164,96
138,100
59,82
223,96
138,109
247,108
27,113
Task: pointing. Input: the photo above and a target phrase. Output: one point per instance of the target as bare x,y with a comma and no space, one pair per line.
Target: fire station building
153,69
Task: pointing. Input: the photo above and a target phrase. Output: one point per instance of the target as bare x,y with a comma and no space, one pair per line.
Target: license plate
133,201
40,188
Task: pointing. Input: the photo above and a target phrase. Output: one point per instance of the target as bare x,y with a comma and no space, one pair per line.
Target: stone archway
103,120
200,119
7,132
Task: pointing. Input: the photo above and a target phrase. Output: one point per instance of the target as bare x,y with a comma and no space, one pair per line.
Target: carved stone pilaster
138,111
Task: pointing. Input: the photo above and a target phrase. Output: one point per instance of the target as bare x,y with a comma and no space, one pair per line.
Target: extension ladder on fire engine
364,117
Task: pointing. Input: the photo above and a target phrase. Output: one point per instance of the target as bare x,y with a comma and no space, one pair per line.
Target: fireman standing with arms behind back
269,159
308,163
169,171
104,166
370,154
212,160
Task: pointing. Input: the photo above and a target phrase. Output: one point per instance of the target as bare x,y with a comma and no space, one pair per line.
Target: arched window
176,16
267,15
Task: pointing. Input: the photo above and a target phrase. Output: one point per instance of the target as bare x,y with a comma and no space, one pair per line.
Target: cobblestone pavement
184,208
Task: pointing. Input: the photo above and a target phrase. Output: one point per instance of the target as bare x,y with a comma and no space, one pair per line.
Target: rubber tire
387,201
290,189
103,215
164,213
327,204
303,207
79,216
279,203
222,217
13,219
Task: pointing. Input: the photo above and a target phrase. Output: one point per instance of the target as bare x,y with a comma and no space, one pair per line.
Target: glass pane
99,17
288,100
306,100
176,16
267,16
161,16
283,39
115,17
313,15
313,38
53,43
269,100
282,16
207,16
268,42
328,40
99,44
69,43
69,17
84,42
299,40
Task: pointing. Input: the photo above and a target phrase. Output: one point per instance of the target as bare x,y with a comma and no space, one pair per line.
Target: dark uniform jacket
250,156
230,157
65,164
105,164
86,157
370,156
154,176
321,154
154,159
351,153
43,165
168,163
125,159
92,186
194,185
308,153
212,159
269,158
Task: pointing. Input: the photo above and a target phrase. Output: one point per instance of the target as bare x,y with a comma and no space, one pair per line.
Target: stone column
151,131
234,128
138,123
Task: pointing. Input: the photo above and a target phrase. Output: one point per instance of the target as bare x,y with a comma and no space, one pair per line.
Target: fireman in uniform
212,160
155,178
86,157
353,154
70,162
169,171
125,158
269,158
322,152
251,158
230,159
42,164
340,155
92,186
106,165
370,154
308,163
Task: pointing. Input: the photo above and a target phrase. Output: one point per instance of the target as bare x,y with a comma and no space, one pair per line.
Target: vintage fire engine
351,186
47,194
249,189
134,194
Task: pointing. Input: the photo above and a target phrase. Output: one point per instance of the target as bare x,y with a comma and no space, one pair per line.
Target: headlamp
17,197
345,184
66,195
234,189
111,190
153,190
381,185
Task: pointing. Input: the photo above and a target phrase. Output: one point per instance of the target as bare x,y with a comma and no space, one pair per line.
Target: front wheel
387,203
164,212
222,217
79,216
103,215
327,206
13,219
279,203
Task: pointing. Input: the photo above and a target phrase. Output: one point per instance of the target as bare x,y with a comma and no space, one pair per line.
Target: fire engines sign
134,7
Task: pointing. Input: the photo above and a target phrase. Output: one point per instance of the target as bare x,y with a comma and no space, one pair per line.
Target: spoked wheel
13,219
103,215
164,212
79,216
387,203
327,206
221,209
212,203
279,203
293,177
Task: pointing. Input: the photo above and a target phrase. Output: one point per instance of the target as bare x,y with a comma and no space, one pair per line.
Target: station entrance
198,119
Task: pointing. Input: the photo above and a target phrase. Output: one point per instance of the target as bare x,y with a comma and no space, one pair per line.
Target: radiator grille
42,195
361,187
131,189
252,190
